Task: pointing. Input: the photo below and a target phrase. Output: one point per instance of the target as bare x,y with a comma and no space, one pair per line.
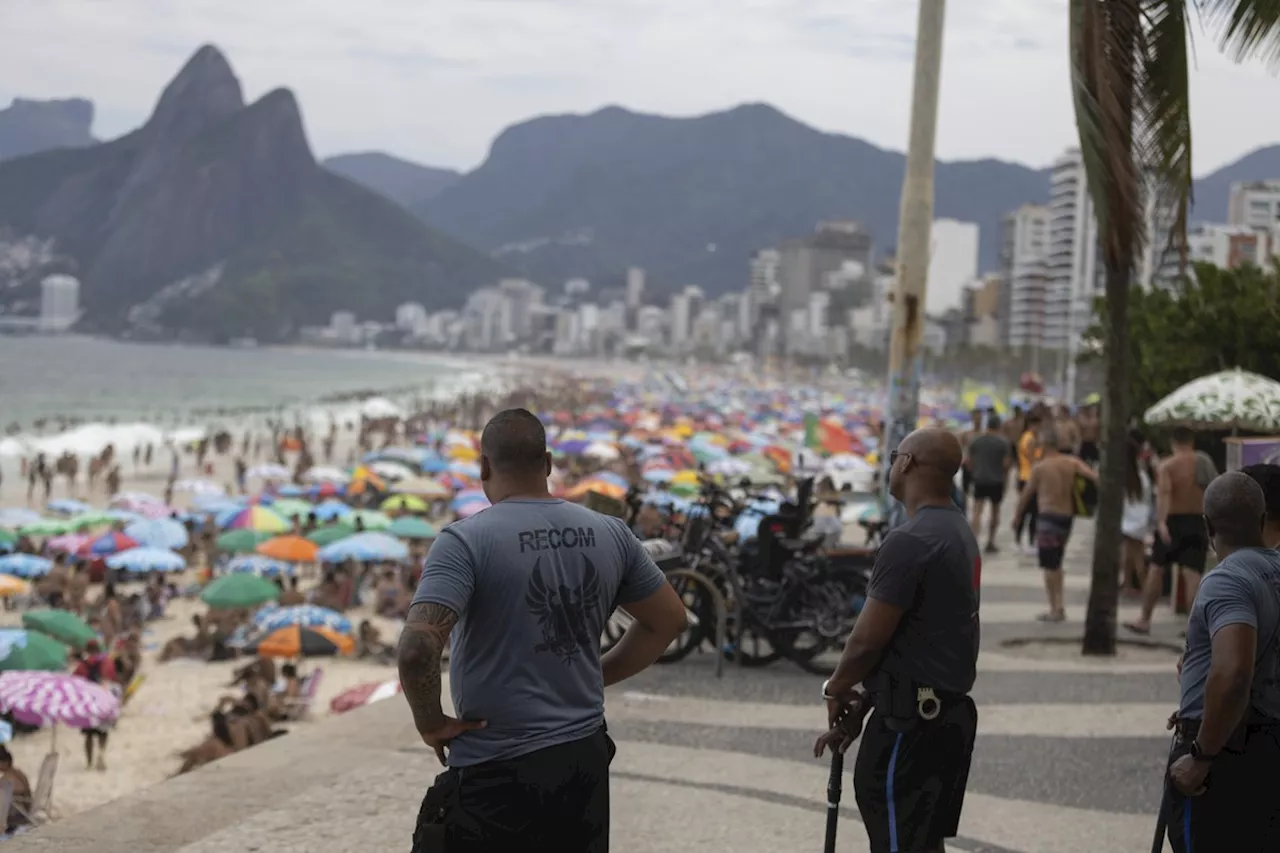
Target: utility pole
915,227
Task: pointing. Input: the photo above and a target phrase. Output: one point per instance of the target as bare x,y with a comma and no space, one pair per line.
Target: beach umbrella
364,546
108,543
330,533
124,515
239,590
147,560
62,625
290,491
68,543
91,519
423,487
331,509
7,541
404,503
254,518
291,507
241,541
307,615
10,586
258,565
368,519
390,470
296,641
289,549
16,517
411,528
317,491
47,527
21,649
1232,399
364,694
25,565
468,496
158,533
200,487
470,470
68,506
48,698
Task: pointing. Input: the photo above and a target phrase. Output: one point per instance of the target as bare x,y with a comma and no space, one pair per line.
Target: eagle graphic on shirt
564,612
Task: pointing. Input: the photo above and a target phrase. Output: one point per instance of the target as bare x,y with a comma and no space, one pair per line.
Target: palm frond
1246,28
1105,37
1163,139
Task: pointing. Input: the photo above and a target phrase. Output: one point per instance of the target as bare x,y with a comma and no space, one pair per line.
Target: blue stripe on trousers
893,809
1186,824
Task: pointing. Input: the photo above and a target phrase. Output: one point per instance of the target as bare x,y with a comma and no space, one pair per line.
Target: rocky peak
29,127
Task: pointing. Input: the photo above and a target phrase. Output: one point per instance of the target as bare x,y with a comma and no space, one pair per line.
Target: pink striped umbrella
68,543
45,698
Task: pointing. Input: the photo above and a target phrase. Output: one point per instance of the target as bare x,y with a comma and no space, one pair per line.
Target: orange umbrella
290,549
296,641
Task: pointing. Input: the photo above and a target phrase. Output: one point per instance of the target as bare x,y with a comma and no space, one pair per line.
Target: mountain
1213,191
691,198
403,182
215,219
28,127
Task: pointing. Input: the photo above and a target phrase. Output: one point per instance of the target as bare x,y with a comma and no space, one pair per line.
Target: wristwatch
1197,752
826,694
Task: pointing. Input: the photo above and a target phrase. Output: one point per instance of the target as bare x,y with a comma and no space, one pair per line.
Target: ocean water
95,380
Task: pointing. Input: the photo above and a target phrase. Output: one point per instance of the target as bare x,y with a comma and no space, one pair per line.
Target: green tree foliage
1214,320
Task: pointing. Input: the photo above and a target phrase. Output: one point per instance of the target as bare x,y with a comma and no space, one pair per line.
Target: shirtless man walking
1053,487
1181,538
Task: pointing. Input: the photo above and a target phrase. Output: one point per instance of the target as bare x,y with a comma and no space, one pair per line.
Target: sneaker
991,548
1030,551
102,763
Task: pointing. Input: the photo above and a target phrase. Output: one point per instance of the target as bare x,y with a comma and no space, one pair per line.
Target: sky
436,80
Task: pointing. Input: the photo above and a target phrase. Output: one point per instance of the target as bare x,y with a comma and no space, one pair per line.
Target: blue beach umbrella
12,519
68,506
365,546
303,615
331,509
146,560
25,565
158,533
256,564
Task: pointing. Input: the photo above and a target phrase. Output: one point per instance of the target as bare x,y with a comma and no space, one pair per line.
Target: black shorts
1238,810
553,799
993,492
1089,452
1052,533
1188,544
910,785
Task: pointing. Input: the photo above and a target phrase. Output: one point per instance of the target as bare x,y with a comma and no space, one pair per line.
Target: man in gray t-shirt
1229,715
523,590
533,582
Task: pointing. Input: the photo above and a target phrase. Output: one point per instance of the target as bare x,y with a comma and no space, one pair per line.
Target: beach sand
170,711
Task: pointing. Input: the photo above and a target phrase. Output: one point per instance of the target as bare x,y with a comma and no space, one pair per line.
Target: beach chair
300,708
42,810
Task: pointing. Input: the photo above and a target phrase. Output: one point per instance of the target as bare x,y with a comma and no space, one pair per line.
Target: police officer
914,650
1224,761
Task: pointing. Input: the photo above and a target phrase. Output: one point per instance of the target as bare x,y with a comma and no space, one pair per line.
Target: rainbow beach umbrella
256,518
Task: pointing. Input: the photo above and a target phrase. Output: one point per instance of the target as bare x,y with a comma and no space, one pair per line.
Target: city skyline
368,82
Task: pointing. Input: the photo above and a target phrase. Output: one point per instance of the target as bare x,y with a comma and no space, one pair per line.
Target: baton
1162,816
833,800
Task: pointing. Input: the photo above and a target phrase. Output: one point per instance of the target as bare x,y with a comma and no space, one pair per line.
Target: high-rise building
1023,250
1230,246
1071,260
59,303
953,263
805,263
1255,204
410,317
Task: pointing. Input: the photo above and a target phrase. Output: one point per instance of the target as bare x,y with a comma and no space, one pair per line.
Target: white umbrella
269,471
1232,399
326,474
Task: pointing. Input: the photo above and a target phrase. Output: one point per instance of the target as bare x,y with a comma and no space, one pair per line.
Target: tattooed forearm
422,642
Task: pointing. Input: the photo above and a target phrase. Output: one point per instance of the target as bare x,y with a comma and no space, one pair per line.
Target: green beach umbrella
7,538
407,527
239,590
371,519
29,650
242,541
289,507
330,533
61,625
85,520
46,527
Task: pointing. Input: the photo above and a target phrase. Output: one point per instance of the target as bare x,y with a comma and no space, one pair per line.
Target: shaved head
928,460
515,443
1234,507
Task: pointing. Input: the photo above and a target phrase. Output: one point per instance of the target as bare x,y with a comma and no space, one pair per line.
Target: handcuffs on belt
928,705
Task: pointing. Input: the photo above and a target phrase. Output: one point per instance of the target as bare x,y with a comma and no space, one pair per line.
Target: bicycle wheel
701,625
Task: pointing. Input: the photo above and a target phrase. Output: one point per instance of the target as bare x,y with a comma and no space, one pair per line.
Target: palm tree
1130,61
